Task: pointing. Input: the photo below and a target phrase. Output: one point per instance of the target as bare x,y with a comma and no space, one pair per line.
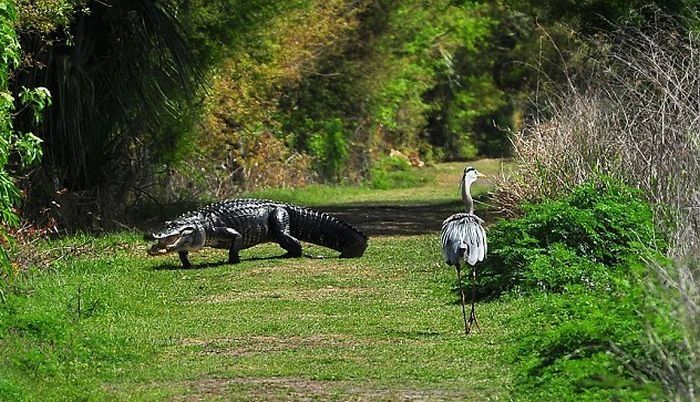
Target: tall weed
634,116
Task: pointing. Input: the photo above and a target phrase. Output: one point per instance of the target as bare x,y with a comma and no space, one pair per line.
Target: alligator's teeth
157,250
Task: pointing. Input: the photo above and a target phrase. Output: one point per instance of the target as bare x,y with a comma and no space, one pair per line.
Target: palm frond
128,75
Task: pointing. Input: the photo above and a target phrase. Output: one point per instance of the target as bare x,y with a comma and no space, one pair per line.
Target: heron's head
470,175
175,236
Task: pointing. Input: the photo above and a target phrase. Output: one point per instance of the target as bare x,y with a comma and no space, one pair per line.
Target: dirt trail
395,220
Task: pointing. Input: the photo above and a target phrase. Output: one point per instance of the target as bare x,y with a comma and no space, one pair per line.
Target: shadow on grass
204,265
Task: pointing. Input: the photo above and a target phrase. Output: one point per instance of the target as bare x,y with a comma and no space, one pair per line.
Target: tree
124,78
17,149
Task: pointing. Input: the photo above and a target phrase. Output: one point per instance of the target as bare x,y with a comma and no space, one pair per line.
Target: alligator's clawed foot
184,260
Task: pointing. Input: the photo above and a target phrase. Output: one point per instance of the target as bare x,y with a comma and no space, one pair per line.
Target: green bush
567,349
576,260
394,172
329,147
560,267
577,240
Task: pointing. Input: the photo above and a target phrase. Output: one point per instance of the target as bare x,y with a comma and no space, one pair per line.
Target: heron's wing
463,239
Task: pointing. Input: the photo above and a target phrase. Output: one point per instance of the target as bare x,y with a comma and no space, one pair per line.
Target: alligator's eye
187,231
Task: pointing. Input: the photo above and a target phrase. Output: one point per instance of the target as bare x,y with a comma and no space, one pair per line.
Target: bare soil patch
244,346
397,220
300,389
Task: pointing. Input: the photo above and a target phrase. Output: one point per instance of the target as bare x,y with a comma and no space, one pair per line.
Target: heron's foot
473,320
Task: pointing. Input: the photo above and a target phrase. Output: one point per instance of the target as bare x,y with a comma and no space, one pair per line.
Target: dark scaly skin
242,223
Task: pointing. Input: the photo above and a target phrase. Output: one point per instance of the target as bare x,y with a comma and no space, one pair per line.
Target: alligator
242,223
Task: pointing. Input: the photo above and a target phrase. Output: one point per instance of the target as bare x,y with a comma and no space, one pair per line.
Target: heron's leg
279,227
472,315
183,258
461,293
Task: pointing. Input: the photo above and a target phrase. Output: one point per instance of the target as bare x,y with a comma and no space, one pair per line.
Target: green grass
114,324
438,184
102,321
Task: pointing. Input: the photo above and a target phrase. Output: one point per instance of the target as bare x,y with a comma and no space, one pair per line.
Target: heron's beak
479,174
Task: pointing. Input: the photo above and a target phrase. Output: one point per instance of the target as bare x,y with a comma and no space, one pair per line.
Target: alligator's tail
326,230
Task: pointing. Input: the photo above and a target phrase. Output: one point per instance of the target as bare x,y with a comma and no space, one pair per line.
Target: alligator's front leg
185,261
235,237
279,229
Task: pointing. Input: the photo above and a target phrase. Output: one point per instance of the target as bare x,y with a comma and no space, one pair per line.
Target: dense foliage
579,260
122,73
579,239
343,83
326,88
17,149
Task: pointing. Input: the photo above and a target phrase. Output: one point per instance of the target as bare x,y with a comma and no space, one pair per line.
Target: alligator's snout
158,249
174,241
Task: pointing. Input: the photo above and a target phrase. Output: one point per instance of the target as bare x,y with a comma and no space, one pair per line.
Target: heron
464,241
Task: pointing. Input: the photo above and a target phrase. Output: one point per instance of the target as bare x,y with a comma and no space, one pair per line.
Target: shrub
573,341
329,147
394,172
560,267
576,240
579,261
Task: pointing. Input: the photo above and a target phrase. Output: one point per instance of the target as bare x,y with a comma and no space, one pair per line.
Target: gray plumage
464,241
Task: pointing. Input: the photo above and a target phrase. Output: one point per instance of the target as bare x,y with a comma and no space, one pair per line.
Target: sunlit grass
443,186
99,320
120,325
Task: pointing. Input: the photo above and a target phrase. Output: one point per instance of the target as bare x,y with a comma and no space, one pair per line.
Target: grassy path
112,324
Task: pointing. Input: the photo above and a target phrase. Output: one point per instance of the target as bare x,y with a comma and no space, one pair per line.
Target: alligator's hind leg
279,229
235,237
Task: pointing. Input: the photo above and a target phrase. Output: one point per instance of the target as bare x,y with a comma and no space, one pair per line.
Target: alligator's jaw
164,245
158,249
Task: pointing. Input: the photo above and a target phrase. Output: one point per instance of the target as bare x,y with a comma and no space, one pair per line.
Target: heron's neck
467,197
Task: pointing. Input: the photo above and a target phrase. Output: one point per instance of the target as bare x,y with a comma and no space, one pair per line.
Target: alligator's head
176,236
